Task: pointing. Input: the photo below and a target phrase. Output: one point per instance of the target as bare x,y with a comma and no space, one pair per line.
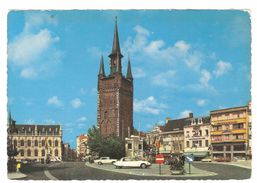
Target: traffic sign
189,158
159,158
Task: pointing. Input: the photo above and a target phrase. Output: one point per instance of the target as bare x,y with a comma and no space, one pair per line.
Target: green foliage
110,146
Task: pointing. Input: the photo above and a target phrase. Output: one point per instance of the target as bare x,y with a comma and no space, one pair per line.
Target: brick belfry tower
115,95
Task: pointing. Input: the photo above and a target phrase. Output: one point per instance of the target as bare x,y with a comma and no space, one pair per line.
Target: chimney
191,115
167,119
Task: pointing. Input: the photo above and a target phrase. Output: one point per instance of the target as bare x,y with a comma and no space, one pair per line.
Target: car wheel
143,165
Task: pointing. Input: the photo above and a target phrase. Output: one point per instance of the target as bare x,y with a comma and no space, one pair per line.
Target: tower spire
116,43
129,73
101,70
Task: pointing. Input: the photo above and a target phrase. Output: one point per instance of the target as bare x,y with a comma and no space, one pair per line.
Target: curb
231,164
13,176
155,175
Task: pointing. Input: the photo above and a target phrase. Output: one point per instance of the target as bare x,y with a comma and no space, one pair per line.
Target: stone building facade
82,148
115,95
172,135
134,147
230,132
197,137
38,142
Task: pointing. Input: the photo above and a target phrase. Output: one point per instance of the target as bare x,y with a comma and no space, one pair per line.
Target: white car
131,162
104,160
206,160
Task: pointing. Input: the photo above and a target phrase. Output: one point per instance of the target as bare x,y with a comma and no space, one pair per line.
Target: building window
50,143
228,148
200,143
15,143
56,143
200,132
238,126
43,152
206,143
187,143
36,152
22,142
28,152
239,147
36,143
56,152
29,143
129,146
217,148
43,143
206,132
22,152
140,146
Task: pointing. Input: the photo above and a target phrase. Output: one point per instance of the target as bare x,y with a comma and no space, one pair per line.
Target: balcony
222,121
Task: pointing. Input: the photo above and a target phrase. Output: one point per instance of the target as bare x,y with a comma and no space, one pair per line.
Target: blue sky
182,61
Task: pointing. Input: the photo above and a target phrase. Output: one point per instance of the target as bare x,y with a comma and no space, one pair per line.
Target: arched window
22,152
43,143
36,152
22,142
43,152
36,143
29,143
50,143
56,143
28,152
56,152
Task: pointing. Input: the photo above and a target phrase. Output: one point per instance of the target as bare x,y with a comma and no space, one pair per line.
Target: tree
110,146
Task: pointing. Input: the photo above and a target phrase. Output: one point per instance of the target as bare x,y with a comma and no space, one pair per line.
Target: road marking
49,175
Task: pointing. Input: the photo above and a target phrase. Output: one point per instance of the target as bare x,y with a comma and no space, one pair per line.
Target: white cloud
164,78
55,101
182,46
83,118
221,68
194,61
76,103
205,78
138,72
49,121
28,47
149,105
160,122
201,102
28,73
33,52
184,113
156,49
36,19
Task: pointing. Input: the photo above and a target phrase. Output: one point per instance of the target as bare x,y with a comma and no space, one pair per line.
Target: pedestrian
18,166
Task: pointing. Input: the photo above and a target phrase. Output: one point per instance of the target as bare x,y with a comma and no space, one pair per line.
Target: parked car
222,159
207,159
104,160
131,162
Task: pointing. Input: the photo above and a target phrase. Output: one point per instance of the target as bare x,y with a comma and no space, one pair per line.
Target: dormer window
50,129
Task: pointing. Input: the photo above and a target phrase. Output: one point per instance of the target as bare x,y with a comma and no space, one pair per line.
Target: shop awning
197,154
